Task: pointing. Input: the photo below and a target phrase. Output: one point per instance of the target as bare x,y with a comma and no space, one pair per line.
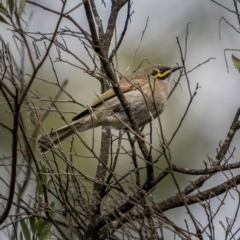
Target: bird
146,92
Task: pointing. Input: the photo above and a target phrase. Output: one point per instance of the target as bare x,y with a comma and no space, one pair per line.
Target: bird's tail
46,141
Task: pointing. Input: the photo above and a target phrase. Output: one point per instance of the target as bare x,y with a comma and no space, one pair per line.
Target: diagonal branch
175,201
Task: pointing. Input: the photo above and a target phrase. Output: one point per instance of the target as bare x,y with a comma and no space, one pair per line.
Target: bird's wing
125,87
109,94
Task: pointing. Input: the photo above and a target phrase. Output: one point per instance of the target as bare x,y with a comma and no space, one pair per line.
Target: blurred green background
213,108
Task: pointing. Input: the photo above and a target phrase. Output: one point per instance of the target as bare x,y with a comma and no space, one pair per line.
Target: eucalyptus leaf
39,186
3,10
236,62
21,236
44,231
11,5
3,20
32,221
52,205
49,182
25,230
21,7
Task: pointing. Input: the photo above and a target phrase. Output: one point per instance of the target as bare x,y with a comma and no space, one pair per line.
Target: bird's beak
175,68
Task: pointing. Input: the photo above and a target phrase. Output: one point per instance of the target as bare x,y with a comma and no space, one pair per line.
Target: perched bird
146,91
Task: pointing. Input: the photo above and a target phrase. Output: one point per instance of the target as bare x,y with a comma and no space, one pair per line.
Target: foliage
37,228
236,62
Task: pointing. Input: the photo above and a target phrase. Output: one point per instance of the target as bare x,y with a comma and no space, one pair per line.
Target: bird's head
163,72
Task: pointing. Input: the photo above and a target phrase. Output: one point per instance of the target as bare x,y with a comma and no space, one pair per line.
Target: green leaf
3,20
39,186
42,182
21,236
11,5
45,230
3,10
49,182
21,7
236,62
25,230
32,221
52,205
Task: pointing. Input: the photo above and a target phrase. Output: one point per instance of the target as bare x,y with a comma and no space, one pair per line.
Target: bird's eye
161,74
154,72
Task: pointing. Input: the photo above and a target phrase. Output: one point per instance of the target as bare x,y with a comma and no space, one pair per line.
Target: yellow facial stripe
162,75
